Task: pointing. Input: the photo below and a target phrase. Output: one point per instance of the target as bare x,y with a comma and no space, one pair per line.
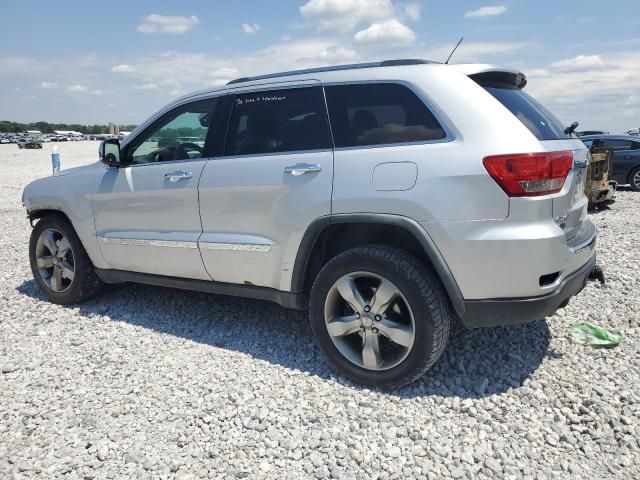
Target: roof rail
333,68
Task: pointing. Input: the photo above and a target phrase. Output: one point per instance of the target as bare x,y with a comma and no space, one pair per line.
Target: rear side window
377,114
540,121
617,144
278,121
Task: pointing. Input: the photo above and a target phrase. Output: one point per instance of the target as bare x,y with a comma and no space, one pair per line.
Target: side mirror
109,152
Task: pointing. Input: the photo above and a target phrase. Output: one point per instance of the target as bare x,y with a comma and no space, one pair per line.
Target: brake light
530,174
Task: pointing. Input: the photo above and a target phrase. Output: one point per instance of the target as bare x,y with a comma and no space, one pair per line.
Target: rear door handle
177,176
302,168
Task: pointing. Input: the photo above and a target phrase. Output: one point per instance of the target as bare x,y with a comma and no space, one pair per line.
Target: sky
72,61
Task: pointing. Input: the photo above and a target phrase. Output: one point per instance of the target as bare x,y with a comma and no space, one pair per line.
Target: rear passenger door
274,180
382,162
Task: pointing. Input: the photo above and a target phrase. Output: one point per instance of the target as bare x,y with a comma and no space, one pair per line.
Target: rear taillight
530,174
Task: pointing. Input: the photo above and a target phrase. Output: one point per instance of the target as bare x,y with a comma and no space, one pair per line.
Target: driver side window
179,135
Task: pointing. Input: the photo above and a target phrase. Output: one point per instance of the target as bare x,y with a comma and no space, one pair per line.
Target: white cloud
123,68
596,97
475,52
486,11
537,73
173,25
147,86
78,88
83,89
48,85
411,10
223,75
250,28
579,63
225,72
285,38
390,31
335,54
345,15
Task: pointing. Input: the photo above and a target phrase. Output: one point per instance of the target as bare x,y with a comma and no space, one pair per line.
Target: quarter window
377,114
617,144
278,121
179,135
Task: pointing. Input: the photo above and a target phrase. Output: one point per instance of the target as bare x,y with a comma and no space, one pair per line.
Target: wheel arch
38,213
330,235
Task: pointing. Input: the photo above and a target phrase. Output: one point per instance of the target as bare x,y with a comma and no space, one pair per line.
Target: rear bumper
510,311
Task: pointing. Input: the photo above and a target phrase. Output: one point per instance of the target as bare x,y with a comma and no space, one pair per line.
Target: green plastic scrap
588,334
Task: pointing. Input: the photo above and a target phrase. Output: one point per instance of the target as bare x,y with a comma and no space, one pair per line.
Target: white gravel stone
147,382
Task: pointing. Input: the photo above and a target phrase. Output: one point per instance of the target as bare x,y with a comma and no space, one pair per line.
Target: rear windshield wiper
571,128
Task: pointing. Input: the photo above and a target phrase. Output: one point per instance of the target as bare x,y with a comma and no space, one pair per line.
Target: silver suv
391,199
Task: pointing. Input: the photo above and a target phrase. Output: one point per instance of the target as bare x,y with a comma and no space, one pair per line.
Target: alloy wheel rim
636,179
369,321
54,259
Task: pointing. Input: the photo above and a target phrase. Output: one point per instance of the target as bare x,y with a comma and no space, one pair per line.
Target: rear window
540,121
378,114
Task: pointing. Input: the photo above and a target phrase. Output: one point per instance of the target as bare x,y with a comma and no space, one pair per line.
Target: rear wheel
59,263
634,179
380,315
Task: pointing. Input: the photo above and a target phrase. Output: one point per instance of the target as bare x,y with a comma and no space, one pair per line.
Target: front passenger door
146,212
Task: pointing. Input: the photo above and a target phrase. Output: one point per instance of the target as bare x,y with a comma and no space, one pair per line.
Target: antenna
454,49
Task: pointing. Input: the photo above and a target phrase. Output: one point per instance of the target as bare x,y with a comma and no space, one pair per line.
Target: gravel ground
146,382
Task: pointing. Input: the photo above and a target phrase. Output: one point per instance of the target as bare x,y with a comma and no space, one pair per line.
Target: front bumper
510,311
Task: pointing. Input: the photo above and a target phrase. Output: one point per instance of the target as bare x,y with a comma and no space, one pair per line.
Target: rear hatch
569,204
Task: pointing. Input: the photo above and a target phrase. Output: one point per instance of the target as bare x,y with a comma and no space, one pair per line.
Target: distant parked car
591,132
29,143
626,156
5,140
634,131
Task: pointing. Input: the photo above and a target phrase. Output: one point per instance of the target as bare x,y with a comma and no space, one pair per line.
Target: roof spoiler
489,74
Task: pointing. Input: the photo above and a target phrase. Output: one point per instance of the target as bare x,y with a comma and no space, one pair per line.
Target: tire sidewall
633,173
79,258
408,285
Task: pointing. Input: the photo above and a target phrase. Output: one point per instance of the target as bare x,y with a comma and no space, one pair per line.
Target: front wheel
634,179
380,315
59,263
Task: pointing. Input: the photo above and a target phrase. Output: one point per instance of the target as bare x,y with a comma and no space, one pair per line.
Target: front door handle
302,168
177,176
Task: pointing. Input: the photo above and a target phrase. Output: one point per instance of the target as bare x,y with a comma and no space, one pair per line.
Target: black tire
424,295
634,172
85,282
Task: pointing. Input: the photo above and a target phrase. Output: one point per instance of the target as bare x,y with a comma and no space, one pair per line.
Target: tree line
46,127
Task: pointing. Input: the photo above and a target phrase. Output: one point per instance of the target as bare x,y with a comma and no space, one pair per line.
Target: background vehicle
323,189
626,156
634,131
29,143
